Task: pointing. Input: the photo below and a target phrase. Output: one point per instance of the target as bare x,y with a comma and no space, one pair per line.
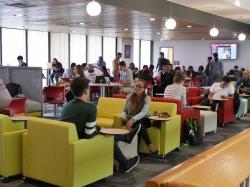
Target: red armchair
16,106
185,113
226,112
119,96
193,96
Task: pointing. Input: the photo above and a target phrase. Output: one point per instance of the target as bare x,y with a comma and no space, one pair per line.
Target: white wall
195,52
121,48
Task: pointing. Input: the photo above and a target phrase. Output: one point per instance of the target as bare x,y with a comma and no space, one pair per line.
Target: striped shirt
176,91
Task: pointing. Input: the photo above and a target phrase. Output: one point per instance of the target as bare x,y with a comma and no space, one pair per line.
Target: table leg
102,91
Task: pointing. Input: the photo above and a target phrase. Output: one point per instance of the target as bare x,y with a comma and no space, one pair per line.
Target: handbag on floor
193,131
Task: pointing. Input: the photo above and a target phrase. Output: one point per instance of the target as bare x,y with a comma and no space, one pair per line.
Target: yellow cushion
109,107
105,122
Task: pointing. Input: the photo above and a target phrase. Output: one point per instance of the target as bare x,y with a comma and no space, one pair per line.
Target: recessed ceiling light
158,33
235,34
74,31
237,2
126,29
19,15
81,23
189,26
151,19
162,39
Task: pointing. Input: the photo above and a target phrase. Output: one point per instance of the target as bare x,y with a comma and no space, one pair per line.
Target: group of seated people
135,116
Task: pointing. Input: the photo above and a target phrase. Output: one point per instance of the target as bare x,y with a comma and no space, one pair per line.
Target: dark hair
78,86
19,58
209,58
179,76
79,70
100,57
145,66
231,72
161,53
236,67
119,54
226,79
242,69
122,63
55,59
72,65
216,57
84,65
151,66
178,68
201,68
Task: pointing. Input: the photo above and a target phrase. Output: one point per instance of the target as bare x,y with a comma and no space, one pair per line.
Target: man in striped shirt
83,115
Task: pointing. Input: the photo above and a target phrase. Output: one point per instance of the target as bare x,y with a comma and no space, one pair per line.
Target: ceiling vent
20,5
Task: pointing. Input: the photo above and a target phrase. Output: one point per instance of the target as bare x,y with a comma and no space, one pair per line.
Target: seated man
224,90
83,115
244,83
126,78
91,73
57,71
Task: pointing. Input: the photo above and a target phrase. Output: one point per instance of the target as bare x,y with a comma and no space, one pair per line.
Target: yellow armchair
10,148
167,136
107,109
52,153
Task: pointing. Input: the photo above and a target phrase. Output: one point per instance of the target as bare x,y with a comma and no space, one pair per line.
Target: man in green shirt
83,115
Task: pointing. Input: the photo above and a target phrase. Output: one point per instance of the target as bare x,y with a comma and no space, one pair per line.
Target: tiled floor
150,166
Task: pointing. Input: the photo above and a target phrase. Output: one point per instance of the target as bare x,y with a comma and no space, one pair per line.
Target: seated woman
177,90
136,112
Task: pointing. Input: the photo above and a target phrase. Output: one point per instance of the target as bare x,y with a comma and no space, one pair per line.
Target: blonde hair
179,76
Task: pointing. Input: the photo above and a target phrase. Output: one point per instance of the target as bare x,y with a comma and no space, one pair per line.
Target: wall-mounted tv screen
225,51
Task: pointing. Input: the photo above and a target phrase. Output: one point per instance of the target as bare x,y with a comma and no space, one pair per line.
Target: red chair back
119,96
54,95
169,100
193,92
17,106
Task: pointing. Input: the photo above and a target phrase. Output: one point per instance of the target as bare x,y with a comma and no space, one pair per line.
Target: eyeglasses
139,86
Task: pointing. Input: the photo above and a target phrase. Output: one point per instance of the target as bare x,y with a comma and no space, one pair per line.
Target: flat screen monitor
225,51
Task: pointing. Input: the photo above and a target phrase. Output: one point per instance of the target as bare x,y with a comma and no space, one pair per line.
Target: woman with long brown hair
78,71
136,112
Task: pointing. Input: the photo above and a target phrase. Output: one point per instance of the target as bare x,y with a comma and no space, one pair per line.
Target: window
38,49
137,53
145,53
77,48
60,48
109,49
94,48
13,45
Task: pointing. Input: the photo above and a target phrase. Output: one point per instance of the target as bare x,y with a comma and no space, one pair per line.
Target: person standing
21,62
116,62
216,70
161,62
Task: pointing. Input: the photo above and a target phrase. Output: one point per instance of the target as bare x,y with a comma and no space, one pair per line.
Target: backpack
14,89
193,131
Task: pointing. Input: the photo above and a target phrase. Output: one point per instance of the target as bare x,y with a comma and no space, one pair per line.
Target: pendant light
242,36
94,8
214,32
170,22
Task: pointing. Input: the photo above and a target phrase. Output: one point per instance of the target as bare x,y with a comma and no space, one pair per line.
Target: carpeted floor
150,166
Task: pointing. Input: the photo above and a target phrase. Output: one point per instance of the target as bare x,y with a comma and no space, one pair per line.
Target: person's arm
157,66
184,97
90,126
144,111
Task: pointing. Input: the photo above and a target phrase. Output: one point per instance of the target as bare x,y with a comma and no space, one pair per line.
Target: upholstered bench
208,121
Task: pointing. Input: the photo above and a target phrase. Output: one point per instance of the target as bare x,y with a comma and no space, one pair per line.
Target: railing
224,165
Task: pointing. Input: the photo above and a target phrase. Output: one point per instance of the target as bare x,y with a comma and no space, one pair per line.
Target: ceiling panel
224,8
65,16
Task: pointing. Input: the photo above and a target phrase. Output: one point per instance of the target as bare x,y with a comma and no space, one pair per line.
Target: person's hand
130,124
